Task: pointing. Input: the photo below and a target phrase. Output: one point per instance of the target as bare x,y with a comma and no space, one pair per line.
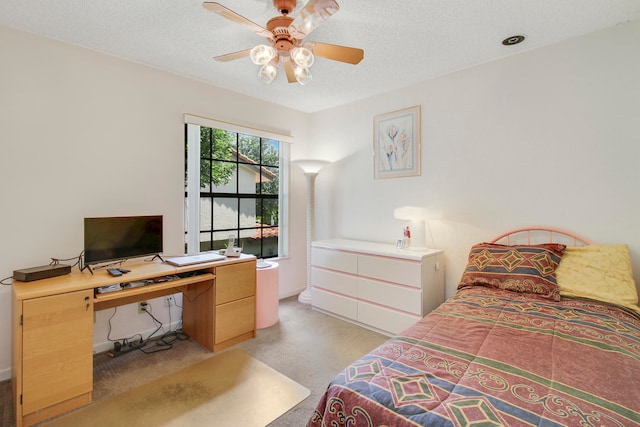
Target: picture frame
396,143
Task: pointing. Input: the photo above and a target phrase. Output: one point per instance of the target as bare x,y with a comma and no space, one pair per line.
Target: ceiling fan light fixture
262,54
302,56
267,73
303,75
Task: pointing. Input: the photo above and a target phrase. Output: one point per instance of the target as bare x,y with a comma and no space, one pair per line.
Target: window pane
205,241
206,213
248,177
225,213
225,178
217,162
270,180
247,217
268,241
270,152
270,212
249,148
217,144
215,240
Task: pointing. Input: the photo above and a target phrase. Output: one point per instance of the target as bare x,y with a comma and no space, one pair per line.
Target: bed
537,334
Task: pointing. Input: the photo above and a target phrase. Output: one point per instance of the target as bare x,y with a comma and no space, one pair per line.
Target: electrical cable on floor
158,344
150,344
179,326
128,340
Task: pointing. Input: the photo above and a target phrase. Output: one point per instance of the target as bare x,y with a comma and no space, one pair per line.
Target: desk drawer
234,319
235,281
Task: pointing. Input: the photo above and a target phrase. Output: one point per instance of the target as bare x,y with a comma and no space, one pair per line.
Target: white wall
86,134
546,137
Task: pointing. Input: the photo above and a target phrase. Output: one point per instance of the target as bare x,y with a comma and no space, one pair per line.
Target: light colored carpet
228,389
305,345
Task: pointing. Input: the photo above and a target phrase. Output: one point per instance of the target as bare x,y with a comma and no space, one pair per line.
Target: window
236,179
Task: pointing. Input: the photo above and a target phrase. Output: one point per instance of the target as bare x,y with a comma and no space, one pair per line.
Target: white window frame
193,178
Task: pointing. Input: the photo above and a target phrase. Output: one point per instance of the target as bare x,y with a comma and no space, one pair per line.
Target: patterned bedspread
489,357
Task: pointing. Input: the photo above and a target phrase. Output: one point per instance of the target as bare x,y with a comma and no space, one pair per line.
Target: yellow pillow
601,272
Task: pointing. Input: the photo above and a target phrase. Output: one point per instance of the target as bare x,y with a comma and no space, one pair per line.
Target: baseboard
5,374
291,293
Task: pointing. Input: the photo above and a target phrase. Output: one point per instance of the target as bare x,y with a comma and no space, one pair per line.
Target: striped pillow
518,268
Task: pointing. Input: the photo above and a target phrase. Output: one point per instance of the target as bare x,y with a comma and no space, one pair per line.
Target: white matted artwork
396,143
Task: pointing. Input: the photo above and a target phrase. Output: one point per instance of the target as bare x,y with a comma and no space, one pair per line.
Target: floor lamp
311,168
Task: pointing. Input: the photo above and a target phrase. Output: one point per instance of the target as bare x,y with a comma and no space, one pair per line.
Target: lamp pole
311,169
305,296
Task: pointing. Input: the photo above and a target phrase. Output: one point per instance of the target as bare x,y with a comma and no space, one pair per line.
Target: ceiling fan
285,36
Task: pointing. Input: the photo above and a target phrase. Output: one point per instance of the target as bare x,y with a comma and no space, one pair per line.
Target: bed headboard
536,235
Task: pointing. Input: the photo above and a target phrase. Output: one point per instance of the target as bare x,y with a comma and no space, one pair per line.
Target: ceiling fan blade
350,55
238,19
233,56
288,69
314,13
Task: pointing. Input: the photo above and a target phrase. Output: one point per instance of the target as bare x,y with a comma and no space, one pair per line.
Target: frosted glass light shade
262,54
267,73
302,56
310,165
303,76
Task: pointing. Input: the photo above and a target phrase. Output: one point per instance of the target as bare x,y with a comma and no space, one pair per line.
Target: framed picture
396,143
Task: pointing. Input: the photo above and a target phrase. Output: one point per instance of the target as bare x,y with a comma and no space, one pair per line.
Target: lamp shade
303,76
310,165
302,56
267,73
262,54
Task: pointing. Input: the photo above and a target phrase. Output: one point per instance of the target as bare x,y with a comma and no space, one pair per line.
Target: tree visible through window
238,191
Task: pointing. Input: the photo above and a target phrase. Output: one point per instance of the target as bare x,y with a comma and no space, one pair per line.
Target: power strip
119,349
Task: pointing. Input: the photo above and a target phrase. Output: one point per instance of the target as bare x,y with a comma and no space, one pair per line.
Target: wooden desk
52,324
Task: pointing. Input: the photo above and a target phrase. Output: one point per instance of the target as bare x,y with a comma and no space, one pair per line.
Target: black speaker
42,272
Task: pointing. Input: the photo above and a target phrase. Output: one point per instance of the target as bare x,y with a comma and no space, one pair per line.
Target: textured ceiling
405,42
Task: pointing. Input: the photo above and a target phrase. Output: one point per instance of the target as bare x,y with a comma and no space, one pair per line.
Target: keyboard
180,261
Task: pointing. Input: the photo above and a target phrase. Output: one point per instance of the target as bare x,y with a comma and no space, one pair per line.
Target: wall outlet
141,307
169,301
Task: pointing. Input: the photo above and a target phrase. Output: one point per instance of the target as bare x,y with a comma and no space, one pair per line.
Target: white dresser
375,285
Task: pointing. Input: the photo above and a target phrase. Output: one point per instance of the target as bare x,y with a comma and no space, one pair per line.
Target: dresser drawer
334,260
338,304
385,319
399,297
391,270
334,281
375,284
